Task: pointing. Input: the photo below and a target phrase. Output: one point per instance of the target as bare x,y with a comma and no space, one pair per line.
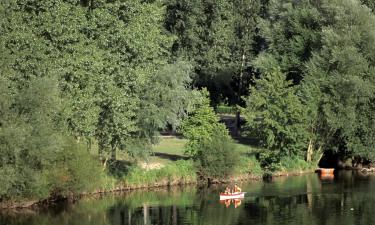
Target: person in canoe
227,191
236,189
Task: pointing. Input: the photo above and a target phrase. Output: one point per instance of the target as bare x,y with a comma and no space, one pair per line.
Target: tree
224,31
201,124
164,99
136,58
339,85
291,30
276,117
209,143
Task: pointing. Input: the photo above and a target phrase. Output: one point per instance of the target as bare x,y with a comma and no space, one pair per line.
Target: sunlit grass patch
171,145
181,171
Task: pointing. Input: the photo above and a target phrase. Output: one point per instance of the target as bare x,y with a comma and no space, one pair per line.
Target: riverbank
167,167
163,183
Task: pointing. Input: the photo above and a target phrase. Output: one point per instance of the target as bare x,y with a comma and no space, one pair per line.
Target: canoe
235,195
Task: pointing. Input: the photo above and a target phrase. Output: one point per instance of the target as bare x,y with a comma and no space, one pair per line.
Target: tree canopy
117,72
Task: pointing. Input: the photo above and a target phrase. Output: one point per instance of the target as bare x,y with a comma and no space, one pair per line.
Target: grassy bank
168,166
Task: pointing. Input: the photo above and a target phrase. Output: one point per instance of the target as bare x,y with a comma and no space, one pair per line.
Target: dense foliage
94,71
326,49
201,125
78,73
208,141
217,156
339,81
278,118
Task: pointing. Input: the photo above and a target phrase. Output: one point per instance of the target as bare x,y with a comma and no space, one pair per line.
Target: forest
84,80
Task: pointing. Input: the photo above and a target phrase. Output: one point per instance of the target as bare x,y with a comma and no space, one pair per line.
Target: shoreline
28,204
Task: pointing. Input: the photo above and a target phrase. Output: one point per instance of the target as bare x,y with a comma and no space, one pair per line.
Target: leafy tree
291,30
217,156
276,117
82,70
340,80
164,99
201,125
224,31
208,140
136,59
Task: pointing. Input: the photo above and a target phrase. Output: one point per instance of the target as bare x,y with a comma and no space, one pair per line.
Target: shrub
217,156
75,170
201,125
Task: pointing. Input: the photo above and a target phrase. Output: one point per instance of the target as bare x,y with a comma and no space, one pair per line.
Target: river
347,198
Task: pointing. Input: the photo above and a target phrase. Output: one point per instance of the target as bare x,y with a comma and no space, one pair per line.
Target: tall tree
276,118
291,30
340,83
224,32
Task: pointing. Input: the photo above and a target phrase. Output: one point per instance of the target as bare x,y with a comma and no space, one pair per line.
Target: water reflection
347,198
228,202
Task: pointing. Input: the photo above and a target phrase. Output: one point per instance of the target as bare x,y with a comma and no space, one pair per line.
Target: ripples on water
346,199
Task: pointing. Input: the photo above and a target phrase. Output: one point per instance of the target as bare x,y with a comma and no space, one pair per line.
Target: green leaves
342,72
217,37
292,32
276,116
201,125
209,143
102,72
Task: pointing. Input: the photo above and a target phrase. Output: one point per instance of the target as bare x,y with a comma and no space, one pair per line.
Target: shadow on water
348,198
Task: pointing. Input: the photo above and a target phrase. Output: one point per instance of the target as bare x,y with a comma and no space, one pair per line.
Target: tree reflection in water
346,199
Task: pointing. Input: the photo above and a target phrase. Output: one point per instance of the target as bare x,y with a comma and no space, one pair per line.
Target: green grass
170,148
171,145
181,171
175,146
294,164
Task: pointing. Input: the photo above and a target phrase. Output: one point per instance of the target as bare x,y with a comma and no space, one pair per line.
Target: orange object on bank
326,171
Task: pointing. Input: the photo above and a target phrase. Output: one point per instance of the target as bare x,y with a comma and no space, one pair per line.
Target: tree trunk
309,151
113,152
237,124
88,144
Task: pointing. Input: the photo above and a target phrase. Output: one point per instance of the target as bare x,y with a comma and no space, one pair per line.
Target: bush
70,170
272,163
74,171
201,125
217,156
249,165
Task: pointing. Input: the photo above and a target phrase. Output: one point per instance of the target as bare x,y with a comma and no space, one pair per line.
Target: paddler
236,188
227,191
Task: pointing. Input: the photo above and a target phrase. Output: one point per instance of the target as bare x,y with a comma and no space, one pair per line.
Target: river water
347,198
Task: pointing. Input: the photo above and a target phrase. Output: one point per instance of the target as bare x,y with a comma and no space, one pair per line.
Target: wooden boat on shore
234,195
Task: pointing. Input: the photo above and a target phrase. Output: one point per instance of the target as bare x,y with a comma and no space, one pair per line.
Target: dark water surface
347,199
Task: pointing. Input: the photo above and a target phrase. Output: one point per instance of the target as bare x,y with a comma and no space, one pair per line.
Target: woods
110,75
